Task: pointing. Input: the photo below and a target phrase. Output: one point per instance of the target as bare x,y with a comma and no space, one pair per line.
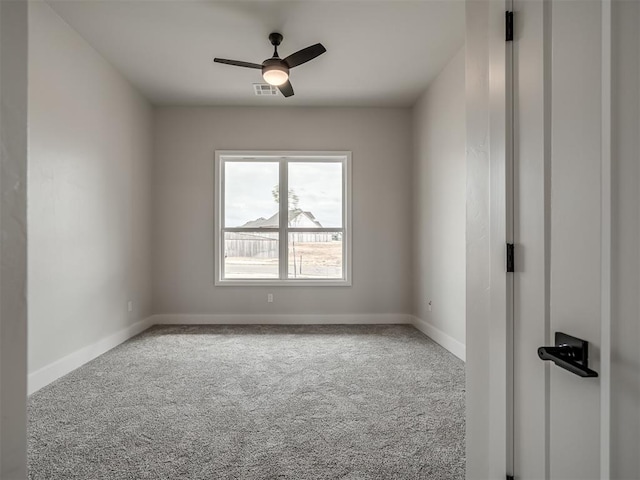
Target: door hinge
510,257
509,26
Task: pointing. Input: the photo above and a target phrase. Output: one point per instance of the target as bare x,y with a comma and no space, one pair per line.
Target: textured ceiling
379,53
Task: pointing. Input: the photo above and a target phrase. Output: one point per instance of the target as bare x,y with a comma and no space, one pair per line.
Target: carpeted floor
256,402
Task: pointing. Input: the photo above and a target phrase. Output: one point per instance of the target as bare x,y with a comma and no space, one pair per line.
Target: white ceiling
379,53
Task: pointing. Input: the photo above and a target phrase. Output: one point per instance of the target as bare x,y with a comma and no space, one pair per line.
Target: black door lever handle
570,353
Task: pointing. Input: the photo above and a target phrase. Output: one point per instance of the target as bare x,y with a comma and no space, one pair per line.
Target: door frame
489,226
13,247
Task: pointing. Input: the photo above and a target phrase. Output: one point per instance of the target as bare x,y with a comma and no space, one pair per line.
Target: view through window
282,218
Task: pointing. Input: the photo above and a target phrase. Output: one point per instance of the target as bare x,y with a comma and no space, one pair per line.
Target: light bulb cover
275,72
275,77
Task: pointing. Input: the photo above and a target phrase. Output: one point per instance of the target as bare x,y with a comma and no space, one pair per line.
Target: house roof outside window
297,218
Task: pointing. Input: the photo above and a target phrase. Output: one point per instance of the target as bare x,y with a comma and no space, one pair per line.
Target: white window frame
282,157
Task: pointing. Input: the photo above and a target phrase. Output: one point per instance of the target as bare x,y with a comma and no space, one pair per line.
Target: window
282,218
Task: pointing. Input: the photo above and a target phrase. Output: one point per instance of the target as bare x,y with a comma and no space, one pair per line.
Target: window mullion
284,218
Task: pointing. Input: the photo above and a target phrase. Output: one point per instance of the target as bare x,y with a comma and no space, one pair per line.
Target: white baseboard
438,336
59,368
270,319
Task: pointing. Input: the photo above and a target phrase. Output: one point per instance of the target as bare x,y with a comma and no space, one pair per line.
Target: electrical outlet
269,297
129,306
429,305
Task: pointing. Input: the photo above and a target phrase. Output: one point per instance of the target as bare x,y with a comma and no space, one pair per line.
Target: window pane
249,194
315,195
315,255
250,255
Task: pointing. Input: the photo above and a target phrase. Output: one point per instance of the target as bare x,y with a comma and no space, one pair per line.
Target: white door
565,219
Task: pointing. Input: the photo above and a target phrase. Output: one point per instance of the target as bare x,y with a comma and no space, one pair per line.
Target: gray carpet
256,402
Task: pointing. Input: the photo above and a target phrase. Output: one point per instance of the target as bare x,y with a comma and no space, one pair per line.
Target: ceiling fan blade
237,63
286,89
304,55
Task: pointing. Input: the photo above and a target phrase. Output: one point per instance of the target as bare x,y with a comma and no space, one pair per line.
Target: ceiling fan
275,70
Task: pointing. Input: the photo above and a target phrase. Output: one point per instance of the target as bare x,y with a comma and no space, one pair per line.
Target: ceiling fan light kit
275,70
274,73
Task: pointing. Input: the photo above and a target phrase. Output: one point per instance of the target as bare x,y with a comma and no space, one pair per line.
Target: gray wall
89,193
13,245
439,199
185,142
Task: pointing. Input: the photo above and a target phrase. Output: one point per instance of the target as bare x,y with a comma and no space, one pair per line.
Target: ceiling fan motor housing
274,64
